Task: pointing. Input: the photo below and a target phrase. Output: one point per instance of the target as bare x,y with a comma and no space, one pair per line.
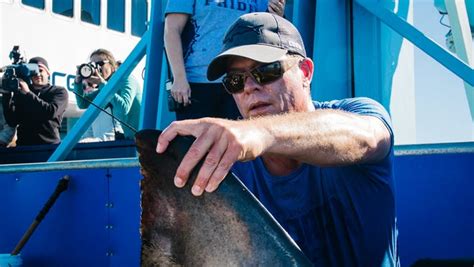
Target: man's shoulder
58,91
347,103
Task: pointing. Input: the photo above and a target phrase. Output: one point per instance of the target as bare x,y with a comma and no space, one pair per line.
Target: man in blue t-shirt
323,170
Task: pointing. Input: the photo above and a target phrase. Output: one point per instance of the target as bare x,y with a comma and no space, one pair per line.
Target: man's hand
277,7
220,142
23,86
181,91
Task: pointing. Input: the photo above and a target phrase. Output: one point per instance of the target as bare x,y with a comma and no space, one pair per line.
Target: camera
86,70
18,70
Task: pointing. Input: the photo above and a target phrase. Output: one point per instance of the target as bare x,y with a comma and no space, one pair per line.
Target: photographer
125,105
36,107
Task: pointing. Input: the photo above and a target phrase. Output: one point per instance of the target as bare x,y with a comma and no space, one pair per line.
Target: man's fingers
227,160
211,162
184,128
166,137
196,152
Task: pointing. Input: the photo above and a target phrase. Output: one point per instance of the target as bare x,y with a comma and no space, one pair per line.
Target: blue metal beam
102,99
304,20
332,51
431,48
154,59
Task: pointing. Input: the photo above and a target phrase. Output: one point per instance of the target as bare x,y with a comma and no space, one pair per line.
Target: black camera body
18,70
10,80
86,70
173,105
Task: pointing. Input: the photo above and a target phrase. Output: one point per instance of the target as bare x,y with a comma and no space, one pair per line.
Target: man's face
286,94
42,78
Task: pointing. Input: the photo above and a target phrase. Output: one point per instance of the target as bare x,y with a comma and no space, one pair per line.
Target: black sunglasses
101,63
234,82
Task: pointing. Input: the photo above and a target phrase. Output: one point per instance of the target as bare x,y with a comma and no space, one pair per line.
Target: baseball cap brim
259,52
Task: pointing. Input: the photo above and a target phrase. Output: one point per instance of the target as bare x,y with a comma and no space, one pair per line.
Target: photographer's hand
181,91
23,86
78,78
96,78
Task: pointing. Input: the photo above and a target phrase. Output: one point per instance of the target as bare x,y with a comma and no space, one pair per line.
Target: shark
228,227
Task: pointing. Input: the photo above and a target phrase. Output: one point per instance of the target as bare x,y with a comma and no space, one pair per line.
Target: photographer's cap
260,36
39,60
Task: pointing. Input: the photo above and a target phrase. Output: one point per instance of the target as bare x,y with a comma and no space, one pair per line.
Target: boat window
139,17
90,11
34,3
116,15
64,7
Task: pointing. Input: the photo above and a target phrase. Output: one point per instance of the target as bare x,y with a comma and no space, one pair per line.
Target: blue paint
76,231
69,83
10,260
435,206
153,72
332,51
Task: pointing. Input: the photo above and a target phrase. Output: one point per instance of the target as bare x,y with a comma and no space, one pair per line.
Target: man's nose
250,84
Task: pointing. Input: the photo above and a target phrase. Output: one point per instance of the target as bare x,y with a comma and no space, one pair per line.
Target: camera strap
108,113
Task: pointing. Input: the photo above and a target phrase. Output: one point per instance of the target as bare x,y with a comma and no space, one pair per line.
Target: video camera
86,70
19,69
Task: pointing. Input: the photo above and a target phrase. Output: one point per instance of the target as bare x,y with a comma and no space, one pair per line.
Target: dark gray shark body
226,228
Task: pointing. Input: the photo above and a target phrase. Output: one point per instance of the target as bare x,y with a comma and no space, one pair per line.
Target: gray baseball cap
260,36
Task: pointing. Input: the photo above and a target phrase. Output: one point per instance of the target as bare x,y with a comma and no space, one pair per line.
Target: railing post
154,59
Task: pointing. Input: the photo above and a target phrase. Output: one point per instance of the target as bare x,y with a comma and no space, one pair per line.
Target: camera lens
85,70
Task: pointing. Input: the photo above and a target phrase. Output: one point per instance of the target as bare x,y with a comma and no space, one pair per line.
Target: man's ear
307,67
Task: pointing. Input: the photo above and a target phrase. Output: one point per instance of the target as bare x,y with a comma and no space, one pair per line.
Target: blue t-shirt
339,216
209,20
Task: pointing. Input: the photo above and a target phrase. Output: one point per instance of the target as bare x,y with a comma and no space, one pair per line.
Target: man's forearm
325,137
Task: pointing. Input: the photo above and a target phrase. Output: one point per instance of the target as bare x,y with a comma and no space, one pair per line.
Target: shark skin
228,227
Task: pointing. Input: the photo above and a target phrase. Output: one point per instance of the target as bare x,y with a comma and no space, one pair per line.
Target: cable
106,112
441,21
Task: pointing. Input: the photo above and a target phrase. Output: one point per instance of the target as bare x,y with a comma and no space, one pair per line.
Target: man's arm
323,137
45,110
326,137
